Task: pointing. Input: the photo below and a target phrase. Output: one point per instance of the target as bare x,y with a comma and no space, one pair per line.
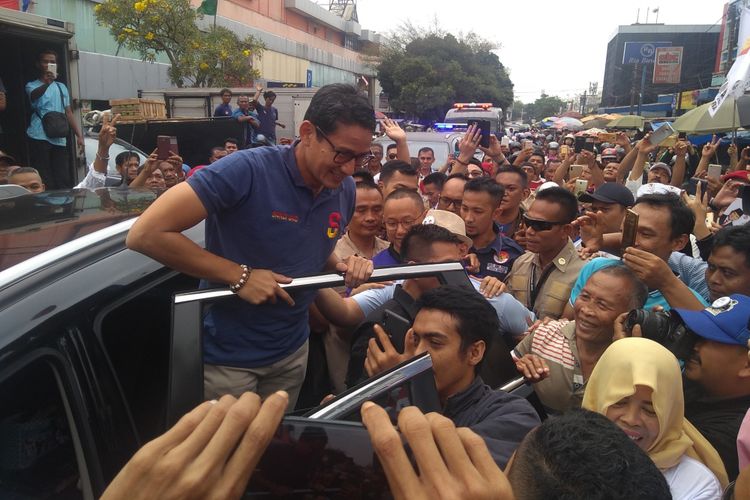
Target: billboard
641,52
668,65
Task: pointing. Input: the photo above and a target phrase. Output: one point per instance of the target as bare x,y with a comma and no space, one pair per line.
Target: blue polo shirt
49,101
223,110
268,116
497,258
261,213
386,258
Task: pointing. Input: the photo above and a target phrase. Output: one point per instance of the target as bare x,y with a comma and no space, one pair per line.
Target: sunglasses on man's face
392,156
540,225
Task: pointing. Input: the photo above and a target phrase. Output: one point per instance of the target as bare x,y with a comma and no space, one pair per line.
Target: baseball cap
657,188
609,153
741,175
724,321
610,192
662,166
449,221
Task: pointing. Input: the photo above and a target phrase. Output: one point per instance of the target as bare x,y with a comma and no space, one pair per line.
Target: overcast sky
555,46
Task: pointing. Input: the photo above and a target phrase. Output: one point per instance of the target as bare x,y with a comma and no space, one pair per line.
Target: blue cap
725,321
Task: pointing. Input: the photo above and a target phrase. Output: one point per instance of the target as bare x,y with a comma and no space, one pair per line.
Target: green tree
212,58
518,110
425,71
543,107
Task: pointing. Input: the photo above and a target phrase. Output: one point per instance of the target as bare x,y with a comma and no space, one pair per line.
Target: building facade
305,43
622,82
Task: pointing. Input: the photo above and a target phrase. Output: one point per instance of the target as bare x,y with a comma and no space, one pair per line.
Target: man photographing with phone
50,124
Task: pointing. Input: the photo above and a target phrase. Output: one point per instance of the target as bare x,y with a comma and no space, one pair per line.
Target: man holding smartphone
49,155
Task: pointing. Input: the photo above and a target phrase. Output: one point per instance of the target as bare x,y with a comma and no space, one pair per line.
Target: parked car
100,352
443,144
91,144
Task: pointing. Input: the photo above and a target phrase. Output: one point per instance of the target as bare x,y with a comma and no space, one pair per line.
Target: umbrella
572,114
700,121
568,123
627,121
593,132
597,121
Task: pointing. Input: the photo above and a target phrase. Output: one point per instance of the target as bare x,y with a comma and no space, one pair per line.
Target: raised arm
397,135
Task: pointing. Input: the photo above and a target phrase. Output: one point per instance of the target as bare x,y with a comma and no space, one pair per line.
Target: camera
664,328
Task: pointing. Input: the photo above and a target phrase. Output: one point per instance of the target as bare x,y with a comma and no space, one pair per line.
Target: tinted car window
37,455
34,223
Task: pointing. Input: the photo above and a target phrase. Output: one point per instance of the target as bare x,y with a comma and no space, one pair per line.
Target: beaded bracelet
243,279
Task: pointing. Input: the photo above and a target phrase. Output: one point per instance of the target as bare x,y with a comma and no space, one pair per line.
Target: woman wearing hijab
637,384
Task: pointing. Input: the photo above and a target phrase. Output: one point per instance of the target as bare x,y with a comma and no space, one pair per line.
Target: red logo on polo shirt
278,215
334,223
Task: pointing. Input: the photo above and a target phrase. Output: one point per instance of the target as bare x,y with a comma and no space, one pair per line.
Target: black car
100,346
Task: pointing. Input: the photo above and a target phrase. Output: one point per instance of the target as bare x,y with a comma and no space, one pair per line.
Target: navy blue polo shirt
261,213
498,257
386,258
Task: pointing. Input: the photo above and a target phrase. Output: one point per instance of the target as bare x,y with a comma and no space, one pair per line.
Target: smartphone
578,145
396,326
629,229
165,144
52,68
574,171
581,186
607,137
660,134
588,144
528,144
564,151
744,193
714,171
484,127
682,135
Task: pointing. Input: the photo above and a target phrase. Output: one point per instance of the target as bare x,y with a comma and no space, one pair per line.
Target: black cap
610,192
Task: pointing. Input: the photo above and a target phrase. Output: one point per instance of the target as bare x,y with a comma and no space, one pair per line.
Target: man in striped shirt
558,357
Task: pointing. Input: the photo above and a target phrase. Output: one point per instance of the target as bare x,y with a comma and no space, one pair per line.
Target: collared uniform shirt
556,343
555,291
223,110
345,247
497,258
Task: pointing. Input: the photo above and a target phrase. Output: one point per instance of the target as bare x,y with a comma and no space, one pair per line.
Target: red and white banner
667,65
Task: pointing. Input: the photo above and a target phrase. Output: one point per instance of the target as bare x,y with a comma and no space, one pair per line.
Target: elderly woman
637,385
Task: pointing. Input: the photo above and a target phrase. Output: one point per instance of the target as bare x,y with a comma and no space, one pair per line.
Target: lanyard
534,288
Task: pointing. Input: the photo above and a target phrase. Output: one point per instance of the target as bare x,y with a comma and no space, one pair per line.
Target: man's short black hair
46,51
216,149
737,237
225,91
340,103
475,318
393,166
231,140
510,169
402,193
581,454
474,161
486,185
23,170
270,93
458,175
363,176
682,219
436,178
424,150
368,184
560,196
392,145
121,158
417,244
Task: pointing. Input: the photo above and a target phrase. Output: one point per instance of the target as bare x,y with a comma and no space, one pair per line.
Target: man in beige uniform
360,239
541,279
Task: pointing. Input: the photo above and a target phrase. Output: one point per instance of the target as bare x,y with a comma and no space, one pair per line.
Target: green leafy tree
214,58
425,71
518,111
543,107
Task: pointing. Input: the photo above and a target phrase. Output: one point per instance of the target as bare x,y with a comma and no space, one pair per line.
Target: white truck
22,37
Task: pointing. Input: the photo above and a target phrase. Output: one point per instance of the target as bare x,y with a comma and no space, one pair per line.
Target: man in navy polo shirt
268,115
271,214
480,205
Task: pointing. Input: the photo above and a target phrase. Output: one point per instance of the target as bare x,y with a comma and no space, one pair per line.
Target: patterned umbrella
568,123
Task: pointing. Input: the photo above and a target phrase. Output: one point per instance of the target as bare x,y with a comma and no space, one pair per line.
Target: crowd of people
538,223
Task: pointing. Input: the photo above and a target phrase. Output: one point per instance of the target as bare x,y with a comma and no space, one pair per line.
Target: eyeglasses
342,157
540,225
392,156
447,202
475,173
406,224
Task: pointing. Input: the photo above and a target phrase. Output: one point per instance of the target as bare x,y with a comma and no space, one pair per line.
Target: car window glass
135,333
37,454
